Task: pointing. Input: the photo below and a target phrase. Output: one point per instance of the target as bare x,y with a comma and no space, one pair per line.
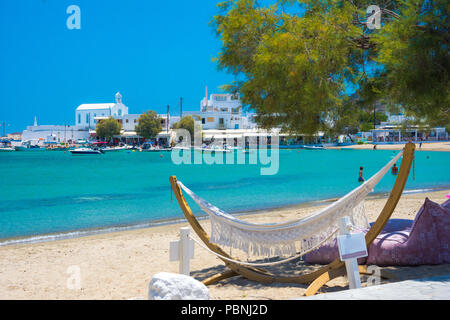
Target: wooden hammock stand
317,278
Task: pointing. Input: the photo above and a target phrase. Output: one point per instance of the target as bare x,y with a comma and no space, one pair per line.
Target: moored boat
109,149
84,150
313,148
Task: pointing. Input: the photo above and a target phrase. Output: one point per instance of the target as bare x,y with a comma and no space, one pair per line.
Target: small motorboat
156,149
7,149
109,149
213,149
84,150
181,147
313,148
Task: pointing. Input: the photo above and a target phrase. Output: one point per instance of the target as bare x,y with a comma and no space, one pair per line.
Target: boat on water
151,147
5,146
156,149
313,148
57,148
213,149
85,150
181,147
27,146
110,149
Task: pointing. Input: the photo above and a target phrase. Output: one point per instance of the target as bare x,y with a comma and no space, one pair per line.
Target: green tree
149,125
188,123
108,128
297,62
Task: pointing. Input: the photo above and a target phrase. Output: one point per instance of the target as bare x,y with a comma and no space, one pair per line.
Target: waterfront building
14,136
88,115
41,134
223,112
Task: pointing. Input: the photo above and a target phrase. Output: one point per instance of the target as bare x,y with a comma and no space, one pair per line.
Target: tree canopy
187,123
108,128
149,125
300,64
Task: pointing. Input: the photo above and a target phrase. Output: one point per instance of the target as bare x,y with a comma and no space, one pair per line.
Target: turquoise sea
51,192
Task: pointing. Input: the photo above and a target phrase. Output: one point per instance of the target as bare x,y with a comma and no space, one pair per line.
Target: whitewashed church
86,118
87,115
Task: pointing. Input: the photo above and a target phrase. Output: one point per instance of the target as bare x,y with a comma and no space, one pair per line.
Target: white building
219,112
223,111
86,118
40,134
87,115
53,134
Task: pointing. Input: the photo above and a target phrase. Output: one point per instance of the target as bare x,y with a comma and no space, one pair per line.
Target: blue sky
153,52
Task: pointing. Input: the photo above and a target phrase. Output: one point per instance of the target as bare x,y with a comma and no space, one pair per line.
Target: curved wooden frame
317,278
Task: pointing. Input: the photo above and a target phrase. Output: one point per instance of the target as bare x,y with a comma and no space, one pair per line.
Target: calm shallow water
54,192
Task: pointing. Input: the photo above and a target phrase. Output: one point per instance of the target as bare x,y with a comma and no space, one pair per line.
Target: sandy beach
120,265
426,146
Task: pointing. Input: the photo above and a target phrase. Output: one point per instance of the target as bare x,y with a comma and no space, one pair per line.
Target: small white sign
352,246
174,251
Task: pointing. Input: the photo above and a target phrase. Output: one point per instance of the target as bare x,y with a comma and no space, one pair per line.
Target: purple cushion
425,243
403,242
329,252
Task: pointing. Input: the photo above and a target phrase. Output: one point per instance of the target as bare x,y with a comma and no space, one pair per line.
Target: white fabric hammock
294,237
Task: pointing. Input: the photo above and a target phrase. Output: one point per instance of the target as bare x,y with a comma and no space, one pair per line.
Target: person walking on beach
360,178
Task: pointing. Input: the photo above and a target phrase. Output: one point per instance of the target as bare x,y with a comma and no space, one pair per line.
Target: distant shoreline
442,146
74,234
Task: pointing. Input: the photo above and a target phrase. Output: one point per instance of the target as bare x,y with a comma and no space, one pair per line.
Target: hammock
294,237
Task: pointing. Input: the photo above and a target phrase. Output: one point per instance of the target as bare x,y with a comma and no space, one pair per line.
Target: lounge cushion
329,252
426,242
403,242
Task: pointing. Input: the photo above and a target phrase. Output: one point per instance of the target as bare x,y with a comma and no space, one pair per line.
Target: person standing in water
361,178
394,170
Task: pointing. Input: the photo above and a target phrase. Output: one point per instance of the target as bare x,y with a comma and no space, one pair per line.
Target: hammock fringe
289,238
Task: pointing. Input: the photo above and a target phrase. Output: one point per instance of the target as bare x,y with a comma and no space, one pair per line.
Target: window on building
203,120
221,97
87,117
120,112
79,118
126,120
